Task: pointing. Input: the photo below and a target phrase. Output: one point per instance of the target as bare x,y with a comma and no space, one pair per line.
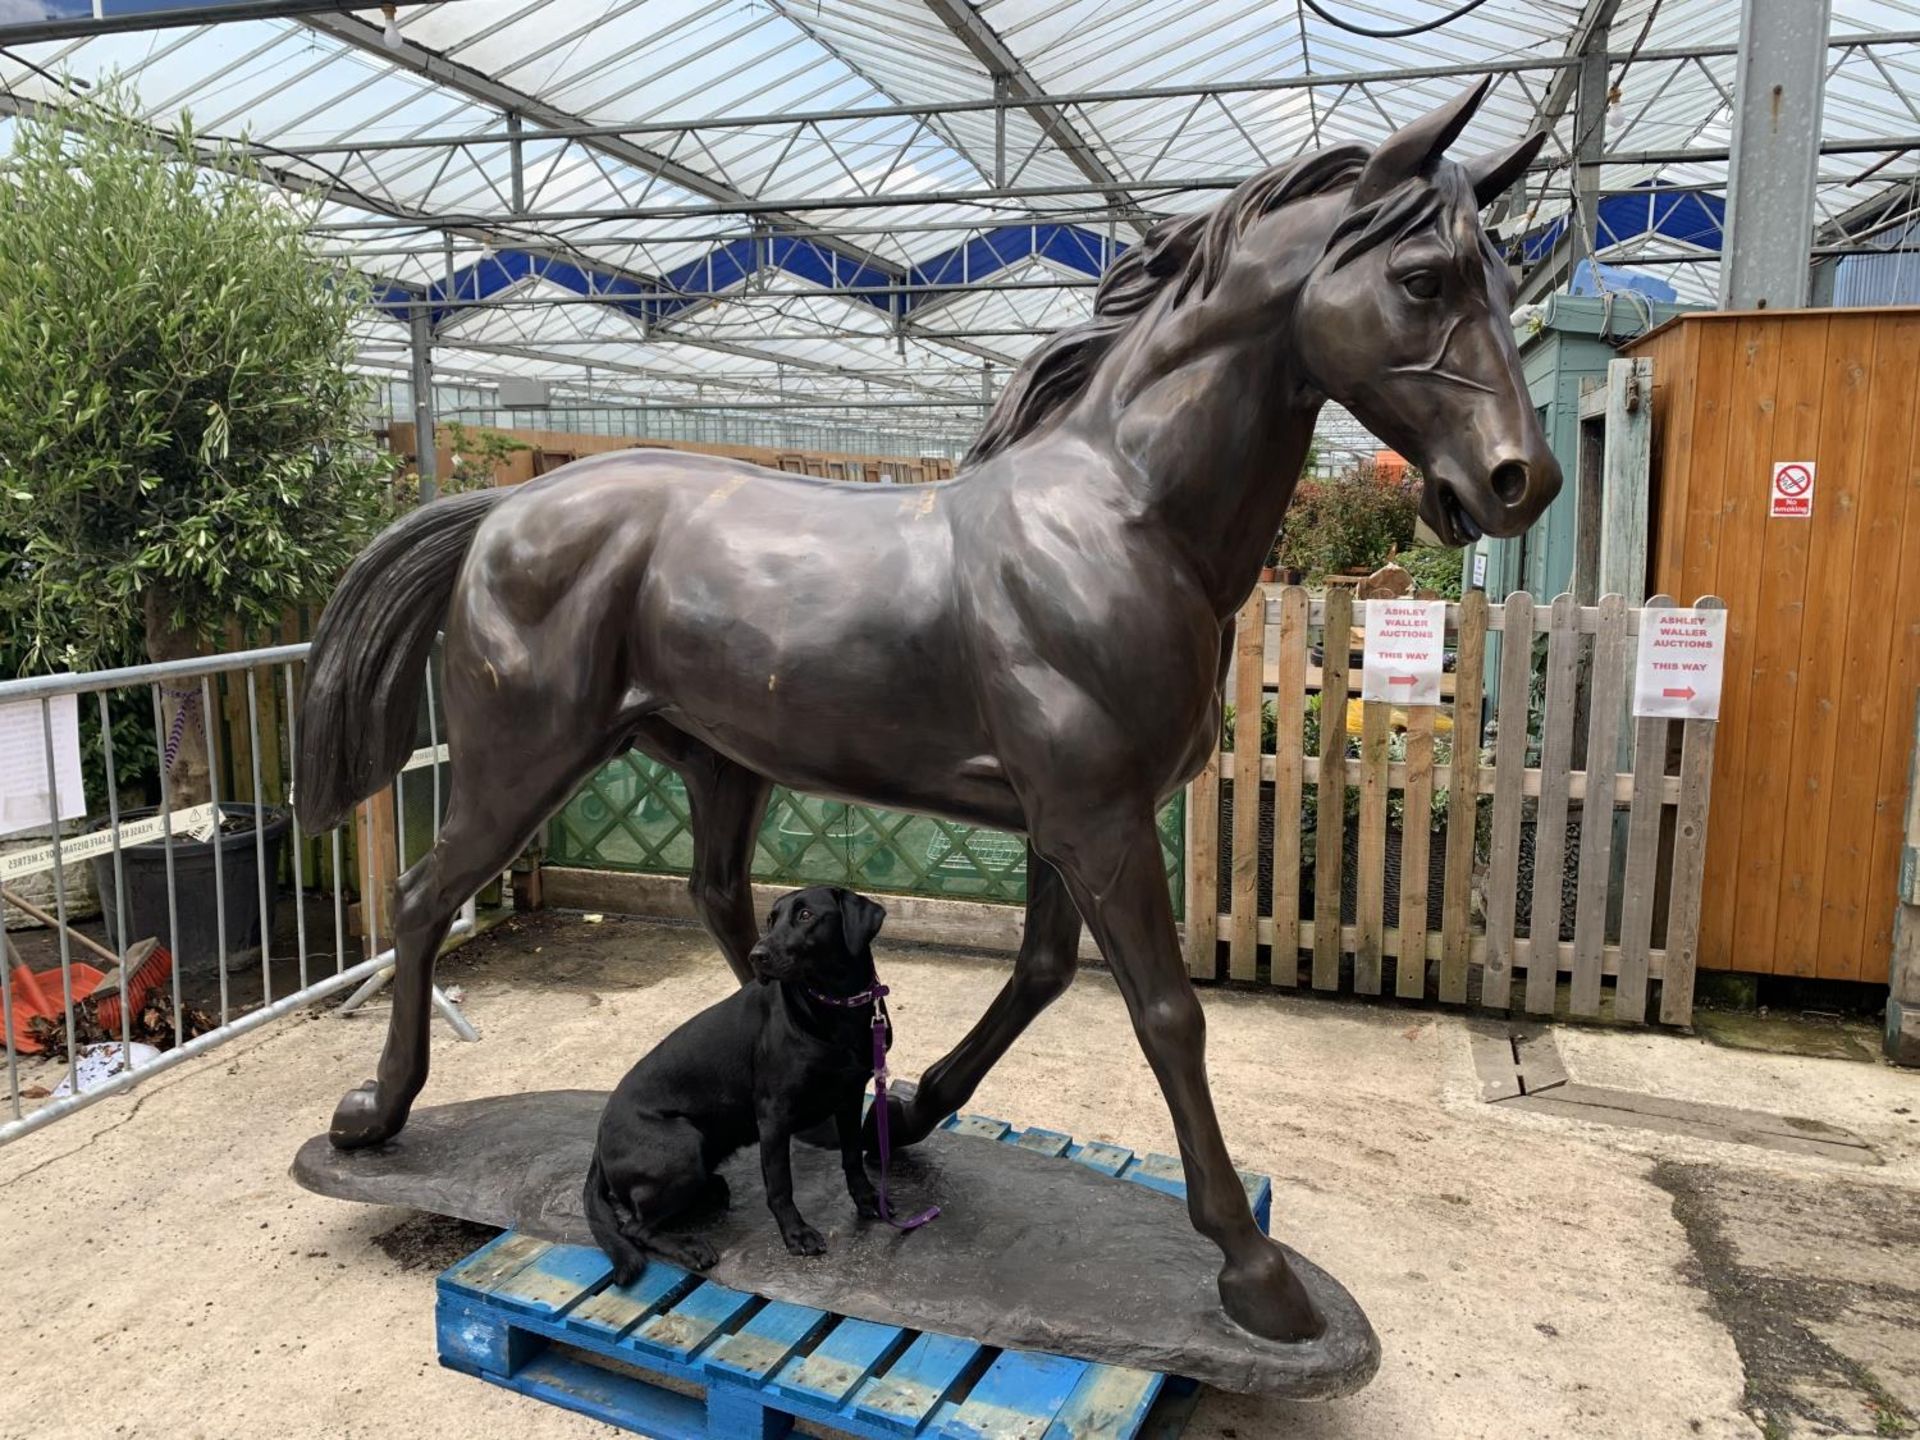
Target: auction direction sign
1682,655
1791,495
1405,651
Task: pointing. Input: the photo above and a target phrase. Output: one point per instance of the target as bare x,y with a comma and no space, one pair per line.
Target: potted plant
182,436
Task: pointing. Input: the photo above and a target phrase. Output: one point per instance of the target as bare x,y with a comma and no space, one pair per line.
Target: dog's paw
866,1203
624,1275
805,1240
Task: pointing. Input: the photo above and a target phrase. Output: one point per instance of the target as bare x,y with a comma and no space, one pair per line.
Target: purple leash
877,996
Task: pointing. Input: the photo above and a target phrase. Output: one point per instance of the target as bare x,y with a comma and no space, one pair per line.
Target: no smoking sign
1792,493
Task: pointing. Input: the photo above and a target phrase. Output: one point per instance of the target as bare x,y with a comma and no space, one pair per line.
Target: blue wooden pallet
677,1357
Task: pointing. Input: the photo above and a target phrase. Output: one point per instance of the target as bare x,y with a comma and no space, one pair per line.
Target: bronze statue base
1030,1252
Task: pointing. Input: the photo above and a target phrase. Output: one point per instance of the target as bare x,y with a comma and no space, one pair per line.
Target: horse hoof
361,1119
1262,1294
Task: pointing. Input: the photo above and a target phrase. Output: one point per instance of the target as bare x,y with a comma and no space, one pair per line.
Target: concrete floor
1529,1276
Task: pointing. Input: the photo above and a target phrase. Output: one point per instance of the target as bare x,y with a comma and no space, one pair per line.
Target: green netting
633,816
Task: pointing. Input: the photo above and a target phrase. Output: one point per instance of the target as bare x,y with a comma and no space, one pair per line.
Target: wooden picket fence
1636,913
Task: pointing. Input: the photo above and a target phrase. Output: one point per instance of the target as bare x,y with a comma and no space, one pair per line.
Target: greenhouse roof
884,203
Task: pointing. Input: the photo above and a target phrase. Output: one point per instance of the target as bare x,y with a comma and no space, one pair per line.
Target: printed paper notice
1405,652
1682,652
23,764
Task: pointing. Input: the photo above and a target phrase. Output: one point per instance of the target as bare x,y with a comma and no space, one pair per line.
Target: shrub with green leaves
1435,570
182,440
1351,522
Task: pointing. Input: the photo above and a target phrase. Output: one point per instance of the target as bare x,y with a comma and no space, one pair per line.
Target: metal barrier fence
224,699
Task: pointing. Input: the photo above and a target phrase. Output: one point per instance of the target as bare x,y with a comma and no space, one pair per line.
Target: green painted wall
1576,336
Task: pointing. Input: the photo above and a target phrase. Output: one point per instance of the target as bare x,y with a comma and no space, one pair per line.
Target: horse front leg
1049,955
1112,864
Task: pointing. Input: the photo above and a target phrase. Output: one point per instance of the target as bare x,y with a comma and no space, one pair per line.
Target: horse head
1404,319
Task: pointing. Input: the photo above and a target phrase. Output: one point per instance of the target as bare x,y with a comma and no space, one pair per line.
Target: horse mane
1188,256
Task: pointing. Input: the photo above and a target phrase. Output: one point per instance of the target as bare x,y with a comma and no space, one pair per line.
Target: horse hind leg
727,802
492,810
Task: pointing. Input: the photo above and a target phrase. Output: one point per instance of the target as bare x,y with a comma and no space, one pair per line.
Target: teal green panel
632,815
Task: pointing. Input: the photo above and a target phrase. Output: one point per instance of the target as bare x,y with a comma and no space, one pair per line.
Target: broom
129,979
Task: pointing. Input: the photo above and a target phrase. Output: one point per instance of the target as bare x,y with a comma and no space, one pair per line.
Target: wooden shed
1823,659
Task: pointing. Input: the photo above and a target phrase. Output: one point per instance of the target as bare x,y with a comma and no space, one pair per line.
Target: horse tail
365,670
602,1219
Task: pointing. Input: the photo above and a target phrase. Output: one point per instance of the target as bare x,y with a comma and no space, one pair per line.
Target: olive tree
182,438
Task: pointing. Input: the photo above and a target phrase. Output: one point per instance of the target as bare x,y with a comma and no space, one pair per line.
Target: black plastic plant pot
145,866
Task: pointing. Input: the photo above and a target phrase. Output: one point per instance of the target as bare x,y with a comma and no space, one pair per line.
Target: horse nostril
1509,481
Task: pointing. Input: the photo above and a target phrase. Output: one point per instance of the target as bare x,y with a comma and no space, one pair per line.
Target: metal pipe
199,1045
299,879
219,849
34,687
259,840
1004,101
119,882
166,835
60,891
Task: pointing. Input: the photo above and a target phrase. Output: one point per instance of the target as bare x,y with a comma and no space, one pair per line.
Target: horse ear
1494,175
1415,149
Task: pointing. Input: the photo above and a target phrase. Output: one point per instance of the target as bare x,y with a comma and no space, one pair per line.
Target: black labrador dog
767,1062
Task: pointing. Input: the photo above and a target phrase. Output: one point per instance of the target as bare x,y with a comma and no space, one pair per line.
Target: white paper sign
1791,497
1479,569
23,763
1406,643
1681,656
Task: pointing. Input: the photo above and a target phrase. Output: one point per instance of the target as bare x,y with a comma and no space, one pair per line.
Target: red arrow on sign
1686,694
1399,679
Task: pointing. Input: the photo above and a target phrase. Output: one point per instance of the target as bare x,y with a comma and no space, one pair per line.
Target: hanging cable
1401,34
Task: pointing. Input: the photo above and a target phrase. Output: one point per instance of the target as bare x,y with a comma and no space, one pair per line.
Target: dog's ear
860,920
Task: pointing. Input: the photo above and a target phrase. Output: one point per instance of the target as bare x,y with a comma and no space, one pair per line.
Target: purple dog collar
876,996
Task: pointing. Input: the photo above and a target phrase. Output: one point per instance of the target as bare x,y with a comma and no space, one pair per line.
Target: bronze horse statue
1037,644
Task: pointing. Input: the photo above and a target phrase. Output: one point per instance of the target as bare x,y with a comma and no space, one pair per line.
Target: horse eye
1422,285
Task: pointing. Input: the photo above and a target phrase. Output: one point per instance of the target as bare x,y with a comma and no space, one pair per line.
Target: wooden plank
1410,966
1509,775
493,1262
1290,716
1596,829
1050,1143
1494,1063
682,1332
1625,464
1741,520
1203,869
618,1308
1772,680
1370,902
1244,901
1550,825
1018,1397
1463,796
1331,810
1099,1155
1643,854
766,1342
1674,1117
556,1281
1689,866
915,1384
1870,788
840,1364
1110,1402
1831,590
379,867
